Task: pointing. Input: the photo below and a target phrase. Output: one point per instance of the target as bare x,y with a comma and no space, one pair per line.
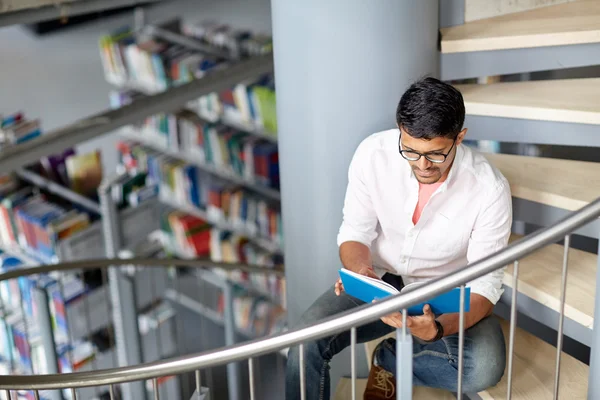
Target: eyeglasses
411,155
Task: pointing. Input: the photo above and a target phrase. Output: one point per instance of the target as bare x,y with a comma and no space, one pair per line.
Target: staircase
548,112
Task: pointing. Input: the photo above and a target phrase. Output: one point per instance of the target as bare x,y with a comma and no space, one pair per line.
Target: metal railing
250,350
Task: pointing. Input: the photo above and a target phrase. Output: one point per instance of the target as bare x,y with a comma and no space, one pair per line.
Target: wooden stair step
562,100
565,184
540,279
563,24
343,391
533,371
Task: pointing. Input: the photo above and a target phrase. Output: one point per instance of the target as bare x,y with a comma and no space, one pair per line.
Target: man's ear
461,136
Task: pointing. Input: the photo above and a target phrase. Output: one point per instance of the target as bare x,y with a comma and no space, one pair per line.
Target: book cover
369,289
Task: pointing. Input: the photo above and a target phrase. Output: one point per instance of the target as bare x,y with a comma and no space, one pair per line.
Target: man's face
426,171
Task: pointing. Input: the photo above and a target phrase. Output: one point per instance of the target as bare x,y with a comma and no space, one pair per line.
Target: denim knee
487,357
483,377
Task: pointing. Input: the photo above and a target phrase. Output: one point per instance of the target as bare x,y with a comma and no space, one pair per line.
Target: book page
411,286
374,282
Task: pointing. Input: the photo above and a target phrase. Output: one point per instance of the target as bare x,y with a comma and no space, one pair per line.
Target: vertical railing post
302,372
404,356
461,342
561,315
593,381
513,327
233,369
353,360
44,320
123,311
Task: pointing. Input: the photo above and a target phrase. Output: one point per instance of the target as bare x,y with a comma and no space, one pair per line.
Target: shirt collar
456,164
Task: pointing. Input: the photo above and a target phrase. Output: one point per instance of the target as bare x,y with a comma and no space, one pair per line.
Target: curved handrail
335,324
146,262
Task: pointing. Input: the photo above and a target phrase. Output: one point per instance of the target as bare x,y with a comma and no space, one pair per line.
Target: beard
427,177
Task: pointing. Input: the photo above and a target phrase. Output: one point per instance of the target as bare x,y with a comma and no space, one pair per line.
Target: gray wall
340,67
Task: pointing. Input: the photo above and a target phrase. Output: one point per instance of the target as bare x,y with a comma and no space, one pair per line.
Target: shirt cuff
354,237
487,290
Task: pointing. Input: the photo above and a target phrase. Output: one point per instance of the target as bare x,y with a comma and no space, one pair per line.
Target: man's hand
421,326
366,271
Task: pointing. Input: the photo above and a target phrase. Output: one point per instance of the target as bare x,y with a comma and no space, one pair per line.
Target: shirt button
403,260
411,234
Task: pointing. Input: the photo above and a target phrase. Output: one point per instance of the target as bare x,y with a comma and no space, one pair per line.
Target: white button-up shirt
467,218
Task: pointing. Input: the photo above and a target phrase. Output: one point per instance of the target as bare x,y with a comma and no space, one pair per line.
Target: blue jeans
434,364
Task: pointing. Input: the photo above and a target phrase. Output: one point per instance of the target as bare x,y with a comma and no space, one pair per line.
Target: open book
368,289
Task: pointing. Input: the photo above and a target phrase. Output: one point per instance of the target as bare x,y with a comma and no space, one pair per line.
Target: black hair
431,108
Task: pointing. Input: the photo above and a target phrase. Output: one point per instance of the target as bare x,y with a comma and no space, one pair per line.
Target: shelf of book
17,156
57,189
251,127
265,243
147,140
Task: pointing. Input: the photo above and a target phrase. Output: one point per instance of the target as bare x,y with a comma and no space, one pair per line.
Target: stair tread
563,24
344,391
578,100
533,371
540,279
565,184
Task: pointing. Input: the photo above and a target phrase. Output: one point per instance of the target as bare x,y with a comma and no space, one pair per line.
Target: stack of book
184,184
189,236
150,62
230,150
16,129
32,221
251,104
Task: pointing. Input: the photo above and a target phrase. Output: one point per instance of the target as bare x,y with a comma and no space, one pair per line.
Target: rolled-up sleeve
359,218
490,234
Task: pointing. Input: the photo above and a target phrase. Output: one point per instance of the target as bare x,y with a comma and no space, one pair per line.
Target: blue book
368,289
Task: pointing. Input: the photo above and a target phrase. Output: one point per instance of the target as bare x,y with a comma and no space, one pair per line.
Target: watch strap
440,331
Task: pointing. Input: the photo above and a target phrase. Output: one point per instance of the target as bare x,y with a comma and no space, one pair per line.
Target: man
419,204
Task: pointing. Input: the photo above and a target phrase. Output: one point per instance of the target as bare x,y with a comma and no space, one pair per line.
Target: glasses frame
424,154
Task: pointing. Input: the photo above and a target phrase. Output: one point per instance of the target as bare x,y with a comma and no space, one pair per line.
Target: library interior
173,175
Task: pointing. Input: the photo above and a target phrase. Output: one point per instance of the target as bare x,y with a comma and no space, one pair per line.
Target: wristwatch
440,332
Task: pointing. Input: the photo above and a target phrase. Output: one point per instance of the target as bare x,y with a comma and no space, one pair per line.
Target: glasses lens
436,158
411,156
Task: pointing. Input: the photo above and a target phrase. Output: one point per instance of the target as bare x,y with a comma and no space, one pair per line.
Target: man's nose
423,163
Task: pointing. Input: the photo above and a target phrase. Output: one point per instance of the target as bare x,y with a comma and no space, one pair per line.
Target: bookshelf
59,190
147,140
12,158
136,221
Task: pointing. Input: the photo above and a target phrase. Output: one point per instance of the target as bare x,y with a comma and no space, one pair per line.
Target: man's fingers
338,287
427,311
391,321
394,320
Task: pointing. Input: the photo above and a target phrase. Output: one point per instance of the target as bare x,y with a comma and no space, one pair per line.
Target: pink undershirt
425,192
